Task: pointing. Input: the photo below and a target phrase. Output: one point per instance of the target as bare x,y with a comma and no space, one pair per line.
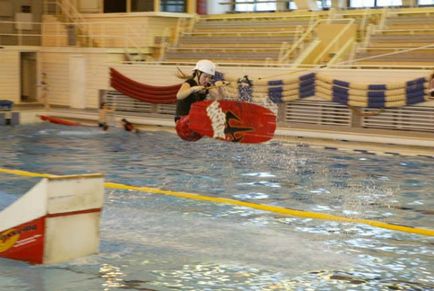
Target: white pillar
306,5
339,4
77,81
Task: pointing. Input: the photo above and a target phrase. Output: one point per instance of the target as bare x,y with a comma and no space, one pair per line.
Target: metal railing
318,112
56,35
336,42
299,43
346,51
20,35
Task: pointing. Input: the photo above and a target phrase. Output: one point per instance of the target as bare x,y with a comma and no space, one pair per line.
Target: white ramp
55,221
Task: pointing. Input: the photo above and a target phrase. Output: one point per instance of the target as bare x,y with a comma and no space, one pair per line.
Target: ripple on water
160,242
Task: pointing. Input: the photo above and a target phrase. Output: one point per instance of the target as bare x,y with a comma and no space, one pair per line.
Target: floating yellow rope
268,208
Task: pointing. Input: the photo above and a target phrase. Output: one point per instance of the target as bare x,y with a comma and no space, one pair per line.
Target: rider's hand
197,88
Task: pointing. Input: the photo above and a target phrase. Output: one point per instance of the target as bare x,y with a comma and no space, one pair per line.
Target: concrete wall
117,30
10,75
57,67
339,4
89,6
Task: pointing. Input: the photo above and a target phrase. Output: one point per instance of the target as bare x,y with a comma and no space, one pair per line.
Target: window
265,6
373,3
324,3
362,3
425,2
383,3
256,5
172,5
244,7
321,4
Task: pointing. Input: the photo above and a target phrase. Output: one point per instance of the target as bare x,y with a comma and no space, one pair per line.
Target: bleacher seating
248,25
405,40
417,57
240,40
410,21
400,38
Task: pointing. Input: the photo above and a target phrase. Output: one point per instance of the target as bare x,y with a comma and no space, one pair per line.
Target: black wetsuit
183,105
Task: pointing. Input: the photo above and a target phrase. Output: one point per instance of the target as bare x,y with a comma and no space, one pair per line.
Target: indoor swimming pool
160,242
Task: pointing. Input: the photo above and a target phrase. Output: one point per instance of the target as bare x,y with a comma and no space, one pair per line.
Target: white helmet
205,66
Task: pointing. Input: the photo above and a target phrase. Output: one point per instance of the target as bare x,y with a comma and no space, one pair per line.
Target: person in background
128,126
102,115
44,91
431,86
194,89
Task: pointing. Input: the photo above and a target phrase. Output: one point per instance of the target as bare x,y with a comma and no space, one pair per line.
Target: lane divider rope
267,208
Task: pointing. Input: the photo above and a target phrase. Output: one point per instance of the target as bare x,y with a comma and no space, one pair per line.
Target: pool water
158,242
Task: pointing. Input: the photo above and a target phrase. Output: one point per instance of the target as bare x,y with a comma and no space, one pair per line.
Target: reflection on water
112,276
155,242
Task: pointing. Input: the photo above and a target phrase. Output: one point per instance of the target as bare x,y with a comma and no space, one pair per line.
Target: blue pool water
158,242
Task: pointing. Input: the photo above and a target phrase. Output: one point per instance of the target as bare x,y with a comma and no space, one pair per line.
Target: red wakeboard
233,121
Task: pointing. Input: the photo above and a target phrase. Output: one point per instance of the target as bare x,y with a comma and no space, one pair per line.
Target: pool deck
374,141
